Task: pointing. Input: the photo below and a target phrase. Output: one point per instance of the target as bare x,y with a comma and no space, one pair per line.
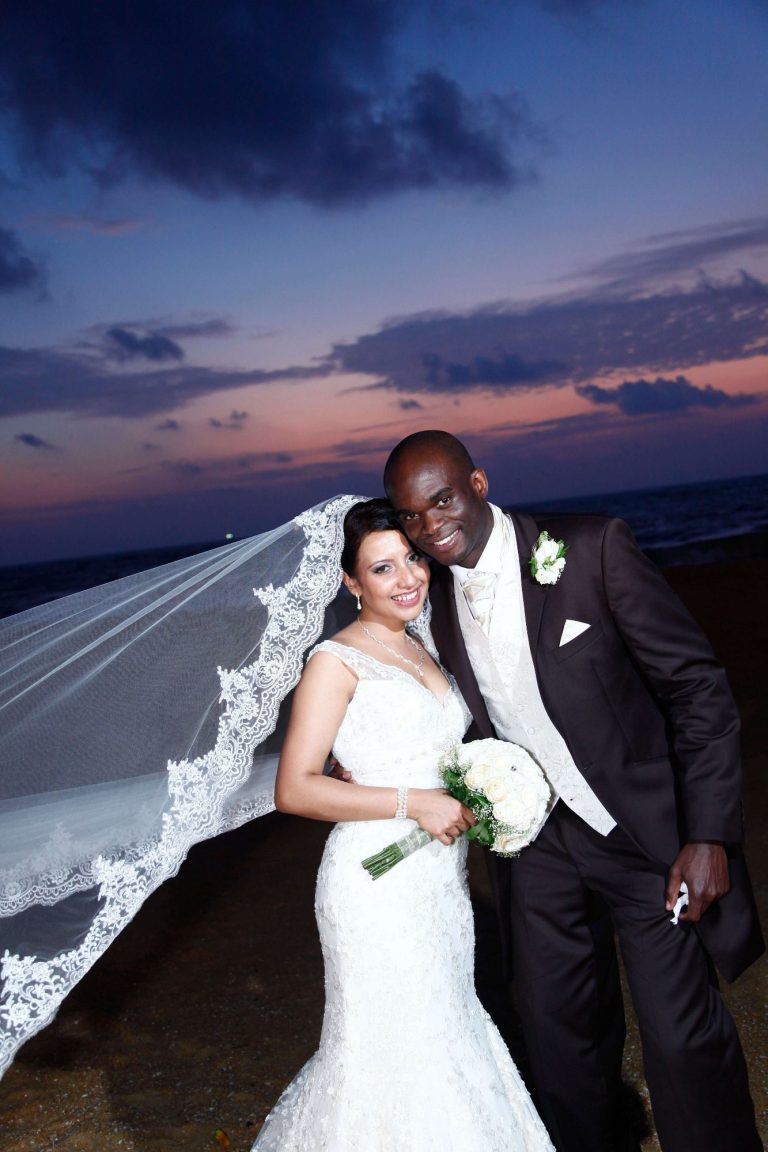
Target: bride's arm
319,704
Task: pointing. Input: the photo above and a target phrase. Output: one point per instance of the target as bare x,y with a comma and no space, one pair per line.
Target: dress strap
364,666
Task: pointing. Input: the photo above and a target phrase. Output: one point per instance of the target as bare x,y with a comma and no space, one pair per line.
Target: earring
359,605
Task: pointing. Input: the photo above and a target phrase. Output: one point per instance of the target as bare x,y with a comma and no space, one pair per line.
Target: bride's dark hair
368,516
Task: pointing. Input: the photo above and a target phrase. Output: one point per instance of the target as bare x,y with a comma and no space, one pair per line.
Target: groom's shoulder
574,524
584,534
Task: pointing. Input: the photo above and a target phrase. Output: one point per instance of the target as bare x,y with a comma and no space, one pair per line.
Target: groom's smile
445,543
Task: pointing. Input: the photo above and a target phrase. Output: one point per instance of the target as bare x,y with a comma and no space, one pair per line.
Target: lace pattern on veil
202,796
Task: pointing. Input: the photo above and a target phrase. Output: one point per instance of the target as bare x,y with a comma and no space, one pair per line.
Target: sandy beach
212,999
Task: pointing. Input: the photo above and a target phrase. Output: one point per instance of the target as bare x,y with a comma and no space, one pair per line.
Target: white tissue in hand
680,903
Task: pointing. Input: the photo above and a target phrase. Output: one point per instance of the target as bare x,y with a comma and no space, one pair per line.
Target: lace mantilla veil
137,719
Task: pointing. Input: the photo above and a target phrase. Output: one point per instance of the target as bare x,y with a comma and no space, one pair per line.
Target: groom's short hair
429,440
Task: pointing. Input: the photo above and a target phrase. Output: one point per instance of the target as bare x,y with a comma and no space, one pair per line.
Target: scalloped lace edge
251,696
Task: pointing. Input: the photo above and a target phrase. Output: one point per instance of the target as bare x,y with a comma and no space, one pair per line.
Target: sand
212,999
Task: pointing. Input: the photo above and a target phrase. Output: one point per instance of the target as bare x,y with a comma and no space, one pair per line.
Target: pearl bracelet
401,812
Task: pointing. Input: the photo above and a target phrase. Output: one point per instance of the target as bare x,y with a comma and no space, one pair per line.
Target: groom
607,680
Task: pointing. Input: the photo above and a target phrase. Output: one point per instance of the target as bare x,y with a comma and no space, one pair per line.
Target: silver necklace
388,648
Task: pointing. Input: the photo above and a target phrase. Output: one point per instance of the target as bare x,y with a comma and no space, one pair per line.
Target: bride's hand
438,813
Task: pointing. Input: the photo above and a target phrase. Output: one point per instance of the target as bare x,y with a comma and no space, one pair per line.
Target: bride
408,1058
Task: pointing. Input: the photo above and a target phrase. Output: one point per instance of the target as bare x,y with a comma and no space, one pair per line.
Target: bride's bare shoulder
347,637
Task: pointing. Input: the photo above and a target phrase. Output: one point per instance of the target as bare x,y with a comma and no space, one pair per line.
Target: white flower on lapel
547,559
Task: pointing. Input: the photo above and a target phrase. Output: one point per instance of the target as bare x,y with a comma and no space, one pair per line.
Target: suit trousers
568,893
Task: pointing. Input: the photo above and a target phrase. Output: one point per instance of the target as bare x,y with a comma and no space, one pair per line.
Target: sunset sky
247,246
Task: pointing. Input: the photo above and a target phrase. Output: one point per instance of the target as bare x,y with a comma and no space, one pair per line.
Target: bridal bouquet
504,787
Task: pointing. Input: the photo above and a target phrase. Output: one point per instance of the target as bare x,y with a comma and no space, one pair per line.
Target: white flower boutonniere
547,559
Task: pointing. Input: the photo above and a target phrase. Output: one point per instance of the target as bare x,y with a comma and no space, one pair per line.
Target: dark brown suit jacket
639,698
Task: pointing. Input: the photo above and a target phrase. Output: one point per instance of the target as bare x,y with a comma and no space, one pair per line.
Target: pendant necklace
388,648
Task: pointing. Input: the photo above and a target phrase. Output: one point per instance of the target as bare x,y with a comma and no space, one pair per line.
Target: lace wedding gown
409,1061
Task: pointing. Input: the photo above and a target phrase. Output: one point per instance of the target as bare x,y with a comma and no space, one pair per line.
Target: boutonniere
547,559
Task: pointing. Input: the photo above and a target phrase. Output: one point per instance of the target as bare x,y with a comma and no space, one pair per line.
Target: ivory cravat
479,591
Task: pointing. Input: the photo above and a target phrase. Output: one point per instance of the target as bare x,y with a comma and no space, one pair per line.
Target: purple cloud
33,441
18,270
123,344
235,422
643,397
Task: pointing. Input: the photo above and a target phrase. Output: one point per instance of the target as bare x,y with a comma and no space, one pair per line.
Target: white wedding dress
409,1061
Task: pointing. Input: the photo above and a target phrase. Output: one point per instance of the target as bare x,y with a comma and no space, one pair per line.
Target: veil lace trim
202,793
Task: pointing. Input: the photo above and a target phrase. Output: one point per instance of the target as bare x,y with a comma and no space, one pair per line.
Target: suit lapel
534,595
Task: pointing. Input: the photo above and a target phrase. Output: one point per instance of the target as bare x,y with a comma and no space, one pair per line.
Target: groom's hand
703,865
337,770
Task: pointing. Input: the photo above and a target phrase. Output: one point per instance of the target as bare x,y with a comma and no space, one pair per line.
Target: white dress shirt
503,665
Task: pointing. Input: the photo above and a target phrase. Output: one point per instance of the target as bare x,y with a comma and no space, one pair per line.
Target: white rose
524,808
515,813
475,777
550,572
508,843
487,752
498,786
547,551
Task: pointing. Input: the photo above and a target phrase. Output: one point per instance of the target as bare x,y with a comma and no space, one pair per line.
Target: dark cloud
18,270
168,425
675,254
235,422
203,328
230,468
508,348
157,340
184,467
498,375
643,397
124,344
408,405
49,380
280,98
195,329
362,448
257,461
33,441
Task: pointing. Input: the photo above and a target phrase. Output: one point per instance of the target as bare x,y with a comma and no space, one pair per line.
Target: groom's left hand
703,865
337,770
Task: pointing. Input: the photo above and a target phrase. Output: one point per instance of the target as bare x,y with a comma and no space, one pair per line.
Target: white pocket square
572,629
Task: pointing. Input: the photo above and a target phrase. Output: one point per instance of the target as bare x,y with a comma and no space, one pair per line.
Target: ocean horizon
707,522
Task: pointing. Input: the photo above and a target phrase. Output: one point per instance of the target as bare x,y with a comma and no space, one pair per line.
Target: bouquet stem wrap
382,862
